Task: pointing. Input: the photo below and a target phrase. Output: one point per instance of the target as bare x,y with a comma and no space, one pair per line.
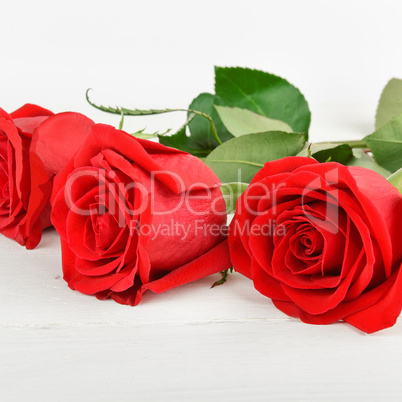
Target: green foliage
362,159
386,144
199,127
262,101
322,151
390,104
340,153
263,93
231,192
239,159
242,121
281,107
184,143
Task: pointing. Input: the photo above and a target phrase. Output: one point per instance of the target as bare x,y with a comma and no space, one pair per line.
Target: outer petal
266,284
5,115
240,259
27,125
375,310
285,165
166,169
28,117
38,206
68,262
58,139
192,226
213,261
30,110
383,313
382,203
54,143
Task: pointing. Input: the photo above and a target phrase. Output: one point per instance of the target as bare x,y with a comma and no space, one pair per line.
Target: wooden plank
193,343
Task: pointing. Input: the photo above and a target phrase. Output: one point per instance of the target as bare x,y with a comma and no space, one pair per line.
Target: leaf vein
247,96
236,161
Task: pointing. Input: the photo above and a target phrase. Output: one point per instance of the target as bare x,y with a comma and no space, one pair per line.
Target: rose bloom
333,251
128,212
16,130
32,152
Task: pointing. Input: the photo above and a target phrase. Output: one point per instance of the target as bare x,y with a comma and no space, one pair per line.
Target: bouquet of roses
315,226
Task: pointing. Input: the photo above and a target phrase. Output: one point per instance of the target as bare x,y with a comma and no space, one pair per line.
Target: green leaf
386,144
242,121
396,180
184,143
321,151
362,159
263,93
200,128
341,154
390,104
231,192
188,144
239,159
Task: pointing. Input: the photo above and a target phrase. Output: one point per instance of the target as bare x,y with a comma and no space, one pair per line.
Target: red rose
16,131
31,153
134,215
323,241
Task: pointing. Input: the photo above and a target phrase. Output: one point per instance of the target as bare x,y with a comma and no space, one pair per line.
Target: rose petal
284,165
212,262
384,312
168,170
240,258
319,301
27,125
58,138
266,284
30,110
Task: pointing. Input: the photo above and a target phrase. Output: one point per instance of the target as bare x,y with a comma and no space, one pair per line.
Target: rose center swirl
312,244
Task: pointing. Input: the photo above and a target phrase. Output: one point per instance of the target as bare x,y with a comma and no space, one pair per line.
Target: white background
192,343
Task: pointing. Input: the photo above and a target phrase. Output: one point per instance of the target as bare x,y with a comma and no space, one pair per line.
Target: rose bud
134,215
323,241
31,153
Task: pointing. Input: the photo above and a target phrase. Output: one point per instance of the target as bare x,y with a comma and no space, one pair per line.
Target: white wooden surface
193,343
